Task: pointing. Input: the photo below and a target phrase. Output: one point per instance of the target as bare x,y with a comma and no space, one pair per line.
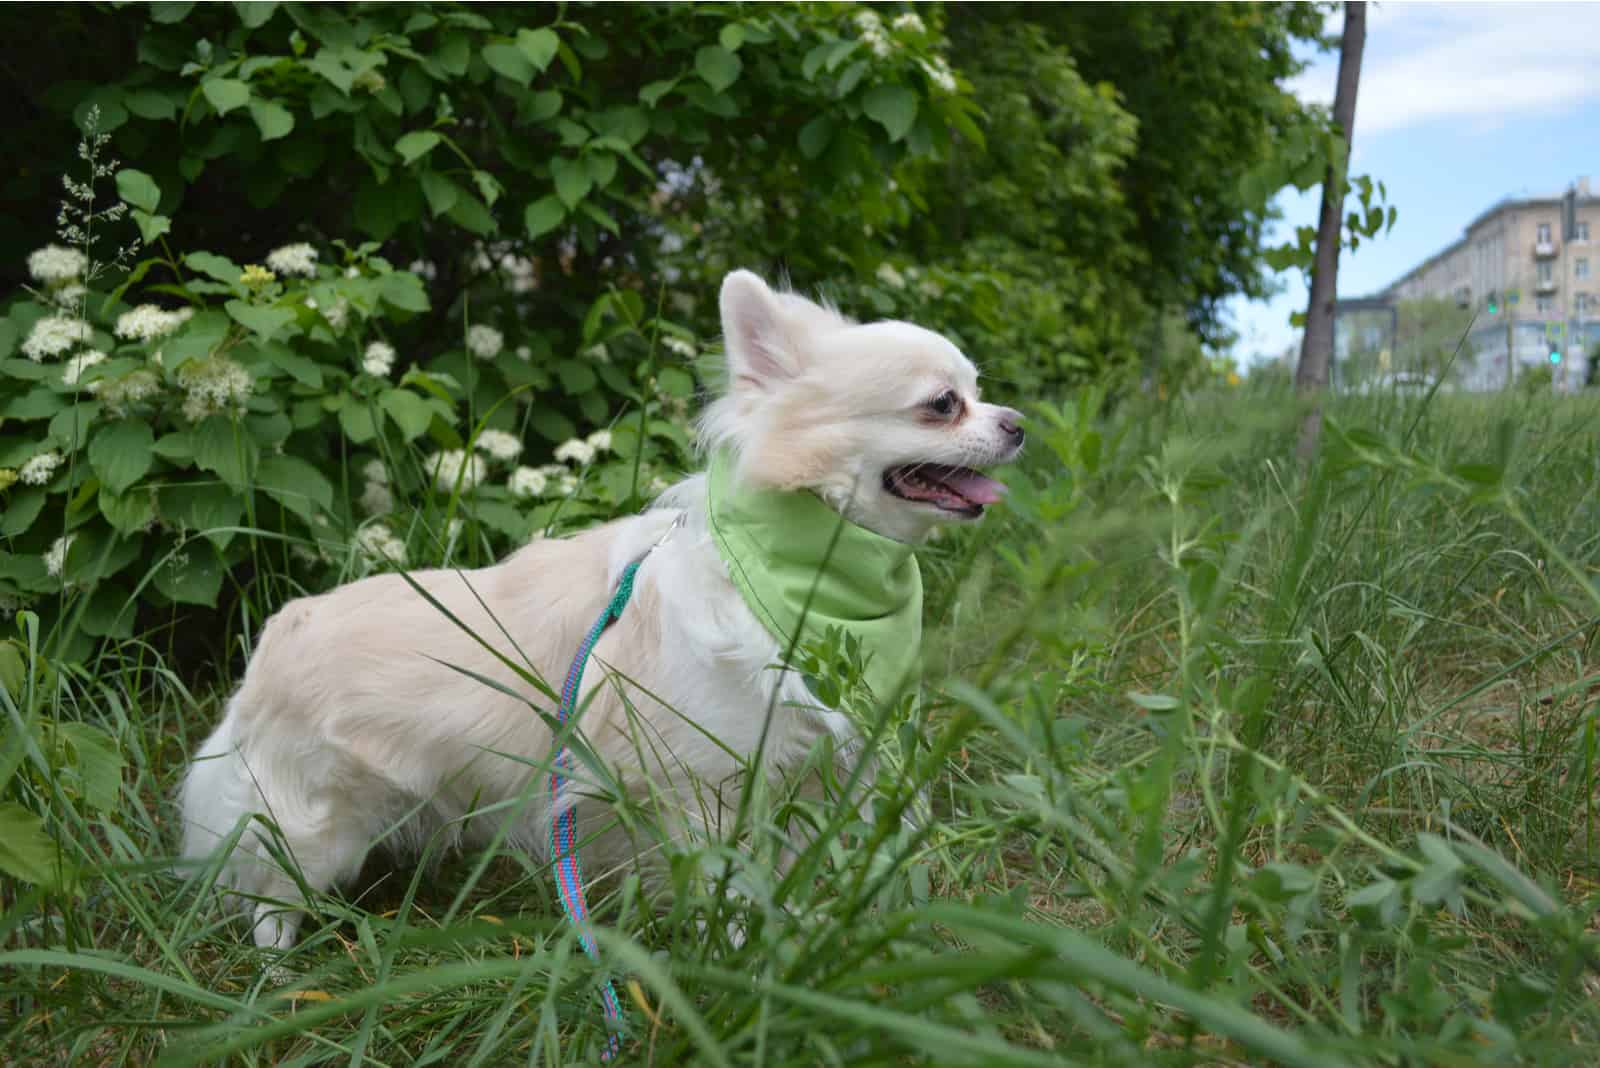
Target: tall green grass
1217,762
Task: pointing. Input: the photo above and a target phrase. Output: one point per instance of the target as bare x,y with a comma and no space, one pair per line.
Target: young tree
1316,349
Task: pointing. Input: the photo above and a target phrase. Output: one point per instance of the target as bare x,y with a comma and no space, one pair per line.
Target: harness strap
564,828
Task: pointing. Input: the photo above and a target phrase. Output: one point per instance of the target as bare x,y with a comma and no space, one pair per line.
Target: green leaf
300,368
214,266
295,484
651,94
129,512
26,851
169,13
264,322
138,189
489,186
600,215
441,192
70,426
151,227
122,453
543,215
150,104
572,180
22,508
732,36
356,420
225,94
97,760
416,144
177,447
717,66
327,65
539,46
576,376
894,106
509,61
403,290
1154,702
193,576
469,212
816,135
204,507
410,412
254,14
224,448
273,120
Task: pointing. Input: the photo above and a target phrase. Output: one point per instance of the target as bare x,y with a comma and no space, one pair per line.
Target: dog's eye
945,403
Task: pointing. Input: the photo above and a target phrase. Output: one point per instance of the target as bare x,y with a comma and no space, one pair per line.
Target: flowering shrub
147,440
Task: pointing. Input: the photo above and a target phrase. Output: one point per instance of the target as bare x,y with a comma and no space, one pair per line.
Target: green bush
259,417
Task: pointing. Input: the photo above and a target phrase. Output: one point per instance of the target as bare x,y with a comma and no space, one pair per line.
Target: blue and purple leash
564,829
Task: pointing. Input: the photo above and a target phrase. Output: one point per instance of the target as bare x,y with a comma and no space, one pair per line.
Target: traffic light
1494,302
1555,356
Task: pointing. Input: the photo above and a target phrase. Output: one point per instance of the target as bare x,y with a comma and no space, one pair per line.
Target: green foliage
256,402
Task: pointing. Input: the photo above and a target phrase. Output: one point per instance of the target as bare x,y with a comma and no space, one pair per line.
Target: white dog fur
349,718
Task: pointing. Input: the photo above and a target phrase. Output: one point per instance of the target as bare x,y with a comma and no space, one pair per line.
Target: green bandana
777,548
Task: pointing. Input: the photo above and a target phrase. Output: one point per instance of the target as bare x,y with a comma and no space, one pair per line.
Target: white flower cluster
40,469
74,368
939,73
455,466
600,441
679,346
53,335
378,542
337,315
527,482
133,388
376,498
69,295
499,445
297,259
55,561
872,35
909,23
484,342
148,322
378,360
214,386
525,354
890,277
54,265
576,451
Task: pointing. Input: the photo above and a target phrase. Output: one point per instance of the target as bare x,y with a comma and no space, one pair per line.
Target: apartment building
1530,270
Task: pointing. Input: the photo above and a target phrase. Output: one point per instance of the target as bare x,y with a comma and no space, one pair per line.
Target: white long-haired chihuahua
359,713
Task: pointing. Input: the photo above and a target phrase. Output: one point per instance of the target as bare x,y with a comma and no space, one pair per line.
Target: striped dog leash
564,829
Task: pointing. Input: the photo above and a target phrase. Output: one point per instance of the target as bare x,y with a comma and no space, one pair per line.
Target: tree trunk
1316,348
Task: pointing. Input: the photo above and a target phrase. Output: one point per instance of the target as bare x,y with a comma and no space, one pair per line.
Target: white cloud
1480,64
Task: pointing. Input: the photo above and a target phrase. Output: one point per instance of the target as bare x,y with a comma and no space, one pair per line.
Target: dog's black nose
1008,424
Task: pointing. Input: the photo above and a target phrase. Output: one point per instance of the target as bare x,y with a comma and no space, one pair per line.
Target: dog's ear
757,333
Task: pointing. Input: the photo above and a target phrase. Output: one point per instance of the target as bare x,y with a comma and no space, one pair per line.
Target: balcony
1545,285
1544,249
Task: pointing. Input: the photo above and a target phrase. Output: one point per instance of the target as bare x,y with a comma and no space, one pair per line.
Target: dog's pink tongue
971,485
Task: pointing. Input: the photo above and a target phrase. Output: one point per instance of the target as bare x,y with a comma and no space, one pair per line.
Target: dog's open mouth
950,489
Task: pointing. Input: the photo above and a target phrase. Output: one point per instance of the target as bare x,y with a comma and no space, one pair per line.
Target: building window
1544,234
1580,304
1544,271
1545,305
1581,233
1580,267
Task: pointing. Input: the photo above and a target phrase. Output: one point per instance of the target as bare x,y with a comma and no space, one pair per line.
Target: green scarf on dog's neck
801,565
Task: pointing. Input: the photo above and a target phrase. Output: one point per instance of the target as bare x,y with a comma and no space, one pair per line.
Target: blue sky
1460,104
